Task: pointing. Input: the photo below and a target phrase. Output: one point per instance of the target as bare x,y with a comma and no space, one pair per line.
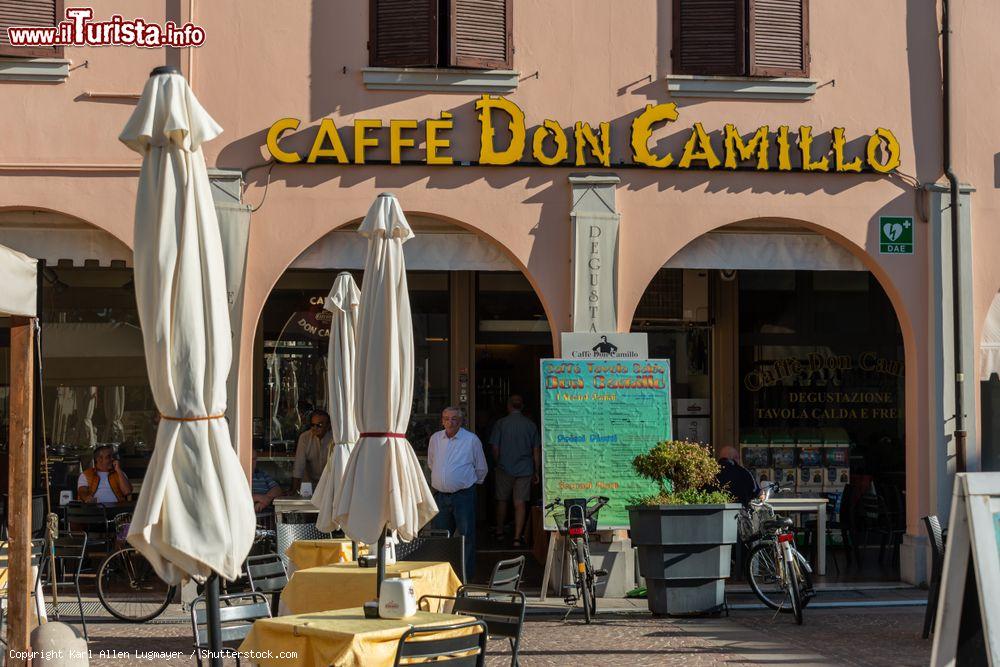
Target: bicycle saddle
777,524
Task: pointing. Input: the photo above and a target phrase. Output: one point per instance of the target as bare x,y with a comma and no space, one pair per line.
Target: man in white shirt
455,457
105,483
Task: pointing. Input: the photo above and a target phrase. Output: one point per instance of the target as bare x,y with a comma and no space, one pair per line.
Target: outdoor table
343,637
808,505
315,553
346,585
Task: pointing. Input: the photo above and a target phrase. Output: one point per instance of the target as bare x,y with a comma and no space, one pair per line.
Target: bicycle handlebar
601,502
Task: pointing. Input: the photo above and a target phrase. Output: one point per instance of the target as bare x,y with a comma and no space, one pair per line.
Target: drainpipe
956,276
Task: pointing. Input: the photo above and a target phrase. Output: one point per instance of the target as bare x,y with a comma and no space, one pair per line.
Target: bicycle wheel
793,589
764,574
591,582
128,587
586,594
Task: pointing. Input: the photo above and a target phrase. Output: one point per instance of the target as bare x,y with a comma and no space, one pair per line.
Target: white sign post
971,638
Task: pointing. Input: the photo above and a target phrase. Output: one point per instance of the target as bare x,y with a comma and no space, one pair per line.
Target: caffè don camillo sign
552,144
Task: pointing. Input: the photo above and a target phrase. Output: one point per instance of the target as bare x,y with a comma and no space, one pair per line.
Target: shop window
29,13
821,380
440,33
293,367
741,37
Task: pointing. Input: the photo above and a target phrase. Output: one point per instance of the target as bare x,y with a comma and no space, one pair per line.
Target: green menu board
596,416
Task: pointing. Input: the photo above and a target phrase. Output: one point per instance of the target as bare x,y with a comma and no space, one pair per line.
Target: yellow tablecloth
343,638
313,553
346,585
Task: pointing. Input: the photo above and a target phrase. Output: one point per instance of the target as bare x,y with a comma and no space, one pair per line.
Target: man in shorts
517,451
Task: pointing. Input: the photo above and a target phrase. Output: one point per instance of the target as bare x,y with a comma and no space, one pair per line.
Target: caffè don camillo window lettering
552,144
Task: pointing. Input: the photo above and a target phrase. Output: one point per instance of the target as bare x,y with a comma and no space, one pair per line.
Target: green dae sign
895,236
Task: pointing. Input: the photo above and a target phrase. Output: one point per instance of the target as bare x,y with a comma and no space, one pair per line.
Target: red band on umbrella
191,419
386,435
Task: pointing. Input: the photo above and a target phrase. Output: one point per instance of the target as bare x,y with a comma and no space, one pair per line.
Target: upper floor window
741,37
440,33
42,13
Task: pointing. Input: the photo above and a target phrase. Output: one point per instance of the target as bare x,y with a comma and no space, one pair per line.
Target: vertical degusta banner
596,417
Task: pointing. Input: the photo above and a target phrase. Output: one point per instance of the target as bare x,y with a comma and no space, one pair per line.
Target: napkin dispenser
397,598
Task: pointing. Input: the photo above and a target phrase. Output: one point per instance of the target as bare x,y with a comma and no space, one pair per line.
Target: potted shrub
685,532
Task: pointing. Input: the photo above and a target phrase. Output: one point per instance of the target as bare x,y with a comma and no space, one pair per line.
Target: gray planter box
684,555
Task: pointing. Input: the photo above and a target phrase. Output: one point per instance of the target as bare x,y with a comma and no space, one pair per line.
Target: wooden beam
19,511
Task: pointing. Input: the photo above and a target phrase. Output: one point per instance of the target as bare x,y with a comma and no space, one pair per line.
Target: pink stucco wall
877,63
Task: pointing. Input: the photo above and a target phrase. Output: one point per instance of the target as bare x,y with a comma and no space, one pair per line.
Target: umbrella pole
354,551
380,568
212,617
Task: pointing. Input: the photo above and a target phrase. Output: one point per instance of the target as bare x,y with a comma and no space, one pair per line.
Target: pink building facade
710,236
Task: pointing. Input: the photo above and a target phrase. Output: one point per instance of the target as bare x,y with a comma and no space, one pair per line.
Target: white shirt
104,494
456,463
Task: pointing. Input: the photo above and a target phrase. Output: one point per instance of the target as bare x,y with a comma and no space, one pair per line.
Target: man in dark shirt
735,478
517,451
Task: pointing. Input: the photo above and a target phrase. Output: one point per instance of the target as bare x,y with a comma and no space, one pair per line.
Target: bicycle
775,569
127,585
576,518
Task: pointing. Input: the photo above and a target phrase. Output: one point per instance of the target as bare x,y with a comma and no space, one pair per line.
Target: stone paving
869,636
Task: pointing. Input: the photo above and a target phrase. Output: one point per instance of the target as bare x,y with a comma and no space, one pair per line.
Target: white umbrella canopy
342,302
19,276
195,512
383,484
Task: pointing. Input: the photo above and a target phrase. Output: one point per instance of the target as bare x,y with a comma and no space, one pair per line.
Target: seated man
105,482
735,478
264,488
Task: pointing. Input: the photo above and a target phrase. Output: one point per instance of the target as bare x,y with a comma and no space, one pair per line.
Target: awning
989,351
797,251
19,278
428,251
60,244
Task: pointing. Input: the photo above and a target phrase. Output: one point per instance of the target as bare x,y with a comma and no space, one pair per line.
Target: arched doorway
94,387
479,332
783,344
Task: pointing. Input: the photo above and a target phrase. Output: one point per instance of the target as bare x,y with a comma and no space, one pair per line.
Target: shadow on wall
925,87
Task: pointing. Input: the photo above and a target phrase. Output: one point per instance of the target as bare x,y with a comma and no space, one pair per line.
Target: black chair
507,574
936,536
235,618
267,574
447,549
466,650
37,516
878,519
69,551
501,609
296,526
93,520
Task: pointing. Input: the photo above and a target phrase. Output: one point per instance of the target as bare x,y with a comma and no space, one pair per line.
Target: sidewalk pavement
854,636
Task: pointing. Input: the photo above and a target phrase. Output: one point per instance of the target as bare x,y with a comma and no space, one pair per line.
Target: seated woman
105,483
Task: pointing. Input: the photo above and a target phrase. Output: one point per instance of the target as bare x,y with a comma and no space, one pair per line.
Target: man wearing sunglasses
312,450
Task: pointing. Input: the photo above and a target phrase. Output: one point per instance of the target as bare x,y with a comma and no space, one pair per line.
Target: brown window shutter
403,33
29,13
481,33
708,37
779,37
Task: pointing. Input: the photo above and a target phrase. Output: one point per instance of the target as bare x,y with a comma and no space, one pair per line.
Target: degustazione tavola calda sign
506,139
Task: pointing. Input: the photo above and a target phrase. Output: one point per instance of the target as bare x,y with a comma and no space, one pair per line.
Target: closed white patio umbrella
195,514
384,486
342,302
